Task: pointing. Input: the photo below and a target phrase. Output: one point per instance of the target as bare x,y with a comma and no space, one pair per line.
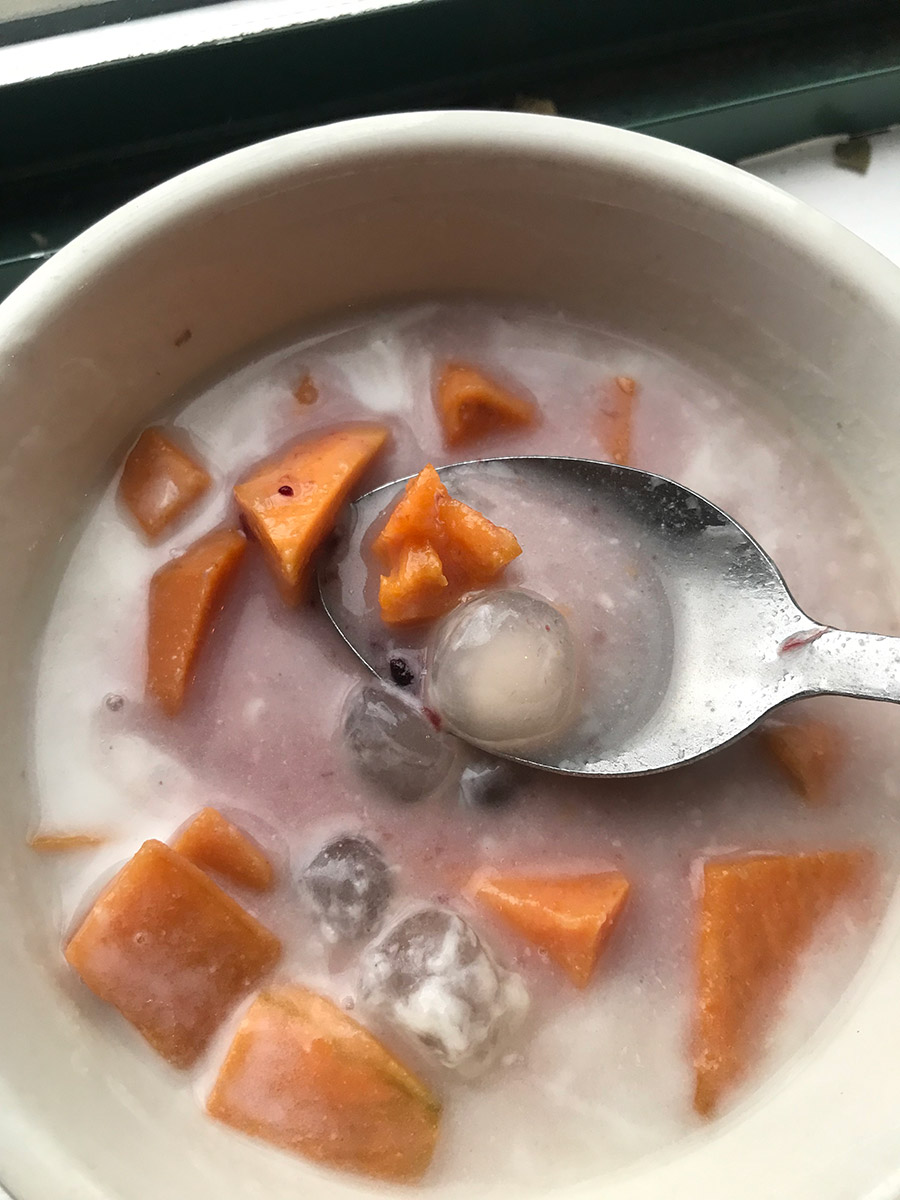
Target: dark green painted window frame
730,77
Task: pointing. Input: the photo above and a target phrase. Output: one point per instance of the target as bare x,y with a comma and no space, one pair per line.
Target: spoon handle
836,662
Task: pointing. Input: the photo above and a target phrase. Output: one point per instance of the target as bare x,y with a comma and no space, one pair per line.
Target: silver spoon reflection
740,646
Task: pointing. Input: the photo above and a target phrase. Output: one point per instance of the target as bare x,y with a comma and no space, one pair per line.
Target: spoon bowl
740,645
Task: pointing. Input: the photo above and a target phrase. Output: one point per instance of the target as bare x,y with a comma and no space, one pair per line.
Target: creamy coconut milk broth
593,1079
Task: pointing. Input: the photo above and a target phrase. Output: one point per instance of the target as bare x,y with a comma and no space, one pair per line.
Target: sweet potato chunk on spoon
741,646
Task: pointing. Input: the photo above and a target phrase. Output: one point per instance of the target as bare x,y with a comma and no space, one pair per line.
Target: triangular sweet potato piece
475,548
304,1075
809,753
414,517
416,589
470,404
291,503
757,915
160,481
437,549
214,843
570,917
186,595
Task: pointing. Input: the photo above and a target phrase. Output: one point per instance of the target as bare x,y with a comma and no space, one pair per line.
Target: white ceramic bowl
747,284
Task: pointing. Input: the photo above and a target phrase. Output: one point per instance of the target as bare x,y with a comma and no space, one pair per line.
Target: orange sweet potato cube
437,549
215,844
171,951
416,589
415,516
470,405
292,502
809,753
186,595
757,915
474,547
302,1074
616,418
570,917
159,482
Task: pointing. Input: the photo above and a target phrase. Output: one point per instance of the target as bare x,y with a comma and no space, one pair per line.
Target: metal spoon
741,646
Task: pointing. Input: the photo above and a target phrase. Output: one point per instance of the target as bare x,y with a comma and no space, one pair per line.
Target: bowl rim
554,140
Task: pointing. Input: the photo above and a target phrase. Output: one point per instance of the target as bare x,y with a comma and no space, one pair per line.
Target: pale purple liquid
596,1079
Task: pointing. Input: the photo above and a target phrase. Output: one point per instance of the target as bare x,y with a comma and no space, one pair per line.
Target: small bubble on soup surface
431,976
502,670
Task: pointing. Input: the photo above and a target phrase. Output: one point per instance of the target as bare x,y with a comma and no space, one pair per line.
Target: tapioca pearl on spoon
502,670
